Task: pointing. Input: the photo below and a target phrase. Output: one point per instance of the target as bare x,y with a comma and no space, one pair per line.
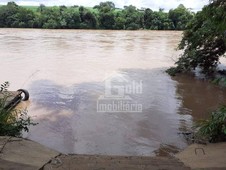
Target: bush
214,129
172,71
12,122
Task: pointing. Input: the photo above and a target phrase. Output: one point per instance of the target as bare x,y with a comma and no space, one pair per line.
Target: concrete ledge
7,165
18,153
25,152
211,156
101,162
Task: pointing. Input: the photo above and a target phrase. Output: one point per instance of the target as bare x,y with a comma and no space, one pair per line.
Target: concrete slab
101,162
3,141
26,152
18,153
211,156
7,165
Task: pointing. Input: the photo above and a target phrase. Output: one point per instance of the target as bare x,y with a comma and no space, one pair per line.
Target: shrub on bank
12,122
214,129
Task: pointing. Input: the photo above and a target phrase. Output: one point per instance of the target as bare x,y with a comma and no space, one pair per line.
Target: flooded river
104,92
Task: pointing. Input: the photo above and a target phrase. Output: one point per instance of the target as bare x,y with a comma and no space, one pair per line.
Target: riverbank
18,153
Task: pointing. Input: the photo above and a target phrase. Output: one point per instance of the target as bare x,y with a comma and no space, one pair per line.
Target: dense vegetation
12,122
102,16
204,41
214,129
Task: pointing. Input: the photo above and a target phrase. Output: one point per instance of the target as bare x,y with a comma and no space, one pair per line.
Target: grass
32,8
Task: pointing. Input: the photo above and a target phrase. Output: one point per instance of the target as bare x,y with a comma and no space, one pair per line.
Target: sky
195,5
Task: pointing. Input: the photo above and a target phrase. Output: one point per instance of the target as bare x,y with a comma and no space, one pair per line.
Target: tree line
102,16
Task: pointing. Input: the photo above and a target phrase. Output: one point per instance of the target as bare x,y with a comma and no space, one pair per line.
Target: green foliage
204,40
7,14
119,21
12,122
72,18
90,20
106,15
4,86
220,81
174,70
102,16
107,20
105,6
214,129
132,18
180,17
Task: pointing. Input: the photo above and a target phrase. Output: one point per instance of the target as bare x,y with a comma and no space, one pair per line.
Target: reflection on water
64,70
72,114
199,97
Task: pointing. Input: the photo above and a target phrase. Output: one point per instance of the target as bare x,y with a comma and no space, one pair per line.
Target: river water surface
66,72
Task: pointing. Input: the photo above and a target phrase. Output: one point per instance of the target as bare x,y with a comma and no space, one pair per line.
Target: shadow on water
199,97
69,121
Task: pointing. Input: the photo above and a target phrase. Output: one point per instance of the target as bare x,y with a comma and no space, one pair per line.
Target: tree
41,8
148,18
7,14
204,41
72,18
132,17
106,15
119,21
107,20
24,19
90,20
105,6
51,18
180,17
81,12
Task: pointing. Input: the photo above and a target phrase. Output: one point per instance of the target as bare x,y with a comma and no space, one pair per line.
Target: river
104,92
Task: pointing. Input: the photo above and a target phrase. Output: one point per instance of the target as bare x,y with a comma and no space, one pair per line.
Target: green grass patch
33,8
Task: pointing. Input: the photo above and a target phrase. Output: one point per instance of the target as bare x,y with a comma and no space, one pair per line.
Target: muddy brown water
67,73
